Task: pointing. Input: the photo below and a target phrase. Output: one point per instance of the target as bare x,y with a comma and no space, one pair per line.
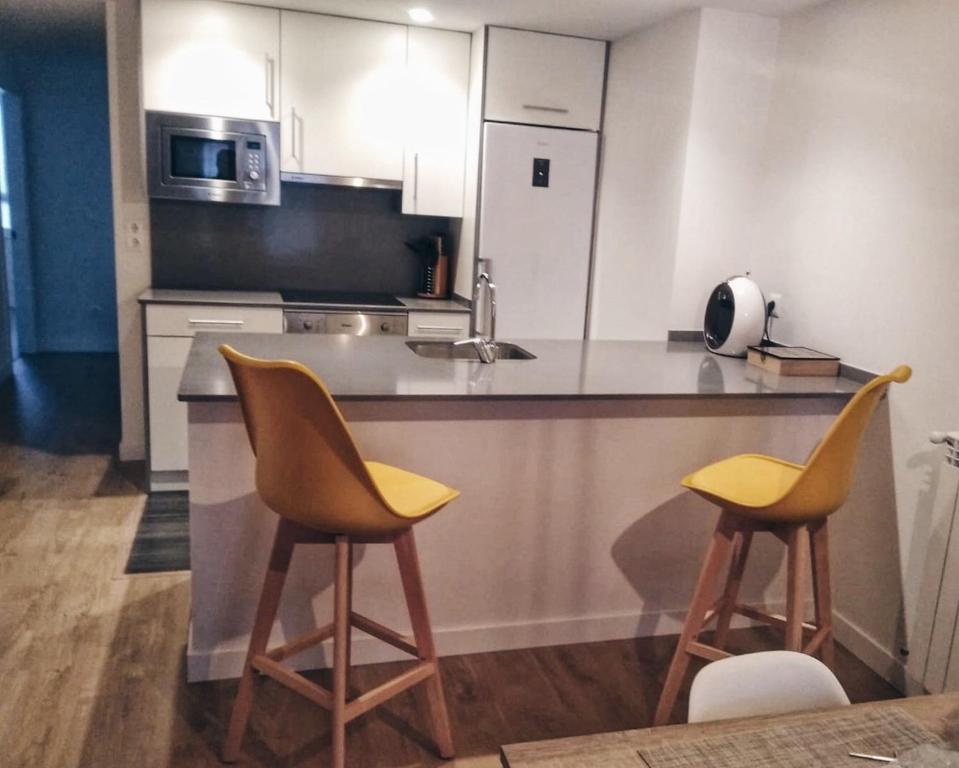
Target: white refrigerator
536,220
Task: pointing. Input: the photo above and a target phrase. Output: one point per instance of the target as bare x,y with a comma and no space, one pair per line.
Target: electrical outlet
135,235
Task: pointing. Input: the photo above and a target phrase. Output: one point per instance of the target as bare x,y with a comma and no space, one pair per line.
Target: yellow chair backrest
308,468
827,477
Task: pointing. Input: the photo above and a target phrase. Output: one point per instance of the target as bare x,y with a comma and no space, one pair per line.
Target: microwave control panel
255,162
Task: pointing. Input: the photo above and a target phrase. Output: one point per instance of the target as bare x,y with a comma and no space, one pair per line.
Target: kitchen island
572,525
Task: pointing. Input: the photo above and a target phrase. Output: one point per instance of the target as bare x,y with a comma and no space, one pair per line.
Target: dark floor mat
162,542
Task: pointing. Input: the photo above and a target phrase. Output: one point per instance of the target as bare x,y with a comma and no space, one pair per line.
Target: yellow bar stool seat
749,484
409,496
758,493
310,472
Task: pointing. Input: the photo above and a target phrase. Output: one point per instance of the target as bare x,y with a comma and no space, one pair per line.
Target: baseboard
176,480
879,659
131,451
226,660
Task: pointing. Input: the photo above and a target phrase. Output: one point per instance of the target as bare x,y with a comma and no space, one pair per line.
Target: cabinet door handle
202,321
541,108
452,328
416,175
269,70
293,131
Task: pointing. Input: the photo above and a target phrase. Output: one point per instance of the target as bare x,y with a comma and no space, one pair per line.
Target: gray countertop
273,299
230,298
384,368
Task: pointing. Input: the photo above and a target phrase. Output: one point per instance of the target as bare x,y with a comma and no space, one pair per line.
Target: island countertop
384,368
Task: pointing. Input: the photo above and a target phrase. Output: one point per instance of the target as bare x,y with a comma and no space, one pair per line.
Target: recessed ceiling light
421,15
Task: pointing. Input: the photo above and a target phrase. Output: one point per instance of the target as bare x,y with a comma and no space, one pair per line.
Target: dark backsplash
320,238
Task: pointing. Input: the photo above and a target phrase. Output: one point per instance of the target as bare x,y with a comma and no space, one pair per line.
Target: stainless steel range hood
341,181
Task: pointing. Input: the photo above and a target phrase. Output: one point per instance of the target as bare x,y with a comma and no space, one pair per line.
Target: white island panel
571,526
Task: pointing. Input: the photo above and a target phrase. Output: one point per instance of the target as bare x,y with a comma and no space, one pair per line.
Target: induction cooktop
345,298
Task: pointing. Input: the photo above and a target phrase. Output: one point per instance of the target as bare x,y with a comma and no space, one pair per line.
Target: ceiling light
421,15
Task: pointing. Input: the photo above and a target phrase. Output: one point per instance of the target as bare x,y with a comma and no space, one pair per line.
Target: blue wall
67,140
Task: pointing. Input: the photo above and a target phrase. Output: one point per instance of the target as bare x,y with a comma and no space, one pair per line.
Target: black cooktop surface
347,298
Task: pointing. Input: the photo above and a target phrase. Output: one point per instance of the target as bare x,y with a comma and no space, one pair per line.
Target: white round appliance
735,317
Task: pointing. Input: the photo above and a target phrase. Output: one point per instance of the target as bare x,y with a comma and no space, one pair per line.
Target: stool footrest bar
817,640
772,619
384,633
376,696
707,652
294,680
301,643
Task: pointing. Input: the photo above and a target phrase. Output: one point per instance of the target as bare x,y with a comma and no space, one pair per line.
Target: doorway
16,284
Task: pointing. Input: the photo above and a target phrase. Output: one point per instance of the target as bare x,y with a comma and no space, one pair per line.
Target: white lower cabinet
166,358
439,325
170,330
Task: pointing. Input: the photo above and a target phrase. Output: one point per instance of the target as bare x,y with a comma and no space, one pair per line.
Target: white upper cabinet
438,68
544,79
211,58
342,90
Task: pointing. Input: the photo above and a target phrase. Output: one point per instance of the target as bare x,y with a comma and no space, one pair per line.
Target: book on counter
793,361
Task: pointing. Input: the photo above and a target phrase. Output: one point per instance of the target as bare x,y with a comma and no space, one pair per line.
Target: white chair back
766,683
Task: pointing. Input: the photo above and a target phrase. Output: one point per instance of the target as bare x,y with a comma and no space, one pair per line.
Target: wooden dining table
937,715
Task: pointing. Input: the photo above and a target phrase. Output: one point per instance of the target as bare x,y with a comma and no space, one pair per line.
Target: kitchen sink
446,350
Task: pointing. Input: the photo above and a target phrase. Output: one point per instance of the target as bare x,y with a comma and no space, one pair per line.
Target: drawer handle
201,321
541,108
439,328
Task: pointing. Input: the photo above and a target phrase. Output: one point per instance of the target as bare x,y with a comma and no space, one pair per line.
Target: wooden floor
91,660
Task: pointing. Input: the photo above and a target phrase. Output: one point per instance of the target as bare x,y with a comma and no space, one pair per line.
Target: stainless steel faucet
485,345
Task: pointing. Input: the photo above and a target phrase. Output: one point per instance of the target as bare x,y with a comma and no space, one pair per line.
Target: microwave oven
212,159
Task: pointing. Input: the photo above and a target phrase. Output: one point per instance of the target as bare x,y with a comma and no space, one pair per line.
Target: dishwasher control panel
353,323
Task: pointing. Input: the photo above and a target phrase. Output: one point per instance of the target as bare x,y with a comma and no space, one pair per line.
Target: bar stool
309,471
792,501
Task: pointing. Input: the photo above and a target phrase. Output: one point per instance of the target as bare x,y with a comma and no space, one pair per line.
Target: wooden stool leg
795,581
702,596
737,566
409,566
280,558
349,623
341,638
819,542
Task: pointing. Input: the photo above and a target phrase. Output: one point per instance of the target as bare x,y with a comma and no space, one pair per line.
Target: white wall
685,117
130,208
734,75
648,102
860,231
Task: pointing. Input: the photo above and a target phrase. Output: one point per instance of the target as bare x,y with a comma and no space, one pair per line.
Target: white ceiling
605,19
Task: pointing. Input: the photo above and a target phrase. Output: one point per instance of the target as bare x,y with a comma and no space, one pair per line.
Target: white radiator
937,632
